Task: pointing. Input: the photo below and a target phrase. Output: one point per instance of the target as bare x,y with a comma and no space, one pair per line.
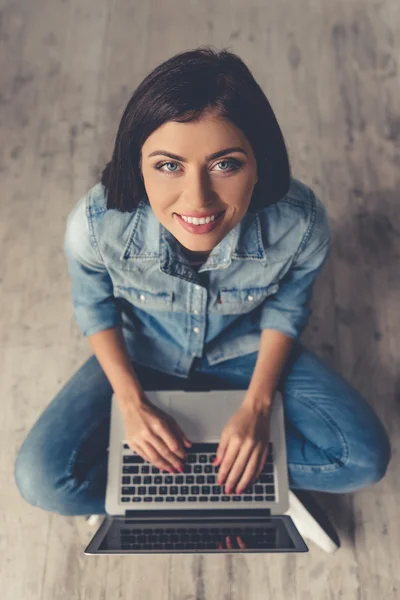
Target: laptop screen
123,535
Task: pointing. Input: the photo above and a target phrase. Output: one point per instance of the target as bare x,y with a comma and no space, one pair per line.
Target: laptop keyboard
141,482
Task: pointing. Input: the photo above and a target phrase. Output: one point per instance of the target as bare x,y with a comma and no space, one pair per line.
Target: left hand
243,447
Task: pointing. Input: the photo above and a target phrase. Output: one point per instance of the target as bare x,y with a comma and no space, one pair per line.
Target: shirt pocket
145,299
244,300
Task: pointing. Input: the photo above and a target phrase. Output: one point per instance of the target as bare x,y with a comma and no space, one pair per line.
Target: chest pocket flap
244,299
145,299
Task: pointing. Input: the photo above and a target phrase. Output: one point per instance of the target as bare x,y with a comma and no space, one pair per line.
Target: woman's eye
235,165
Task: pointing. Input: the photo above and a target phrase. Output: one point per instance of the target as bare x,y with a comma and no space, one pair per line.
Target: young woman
192,264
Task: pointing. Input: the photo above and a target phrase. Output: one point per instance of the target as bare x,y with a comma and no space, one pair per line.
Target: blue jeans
335,441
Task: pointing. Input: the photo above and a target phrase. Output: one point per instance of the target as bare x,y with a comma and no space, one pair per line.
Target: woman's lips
206,228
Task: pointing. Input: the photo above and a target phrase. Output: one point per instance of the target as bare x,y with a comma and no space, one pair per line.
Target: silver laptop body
142,525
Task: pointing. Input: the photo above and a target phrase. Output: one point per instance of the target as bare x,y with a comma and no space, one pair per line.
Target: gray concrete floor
330,70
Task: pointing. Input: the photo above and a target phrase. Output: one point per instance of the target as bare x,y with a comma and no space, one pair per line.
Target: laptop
149,511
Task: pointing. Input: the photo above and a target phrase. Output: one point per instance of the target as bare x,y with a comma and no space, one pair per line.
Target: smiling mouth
201,220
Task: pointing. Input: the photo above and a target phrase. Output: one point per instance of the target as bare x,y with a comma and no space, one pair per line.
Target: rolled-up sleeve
92,289
288,311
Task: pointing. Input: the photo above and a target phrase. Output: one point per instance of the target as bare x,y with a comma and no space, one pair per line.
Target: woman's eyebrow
210,157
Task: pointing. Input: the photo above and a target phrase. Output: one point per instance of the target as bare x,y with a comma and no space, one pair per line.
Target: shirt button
193,353
196,329
197,287
142,297
250,298
196,312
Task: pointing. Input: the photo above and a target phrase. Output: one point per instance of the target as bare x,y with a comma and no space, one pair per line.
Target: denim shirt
127,269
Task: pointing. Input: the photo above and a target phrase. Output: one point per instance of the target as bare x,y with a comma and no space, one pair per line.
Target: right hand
156,436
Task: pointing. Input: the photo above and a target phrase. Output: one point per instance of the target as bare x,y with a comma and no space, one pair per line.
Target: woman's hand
243,447
156,436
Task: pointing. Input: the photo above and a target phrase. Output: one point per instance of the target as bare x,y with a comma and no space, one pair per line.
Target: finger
158,459
240,542
229,542
262,462
248,471
171,437
167,446
228,460
140,451
223,444
239,466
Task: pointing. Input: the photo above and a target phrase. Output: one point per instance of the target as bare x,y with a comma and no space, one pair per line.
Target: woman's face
192,184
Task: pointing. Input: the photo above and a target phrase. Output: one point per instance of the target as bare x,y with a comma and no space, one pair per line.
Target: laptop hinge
187,515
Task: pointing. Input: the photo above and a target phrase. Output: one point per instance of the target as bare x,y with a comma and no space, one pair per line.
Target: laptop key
184,490
169,479
200,479
237,498
269,489
163,489
173,489
142,490
125,499
189,479
216,489
180,499
214,498
147,479
129,490
259,498
192,499
192,458
225,498
195,489
187,468
153,490
197,469
145,468
170,499
136,480
127,459
158,499
270,498
203,498
259,489
210,478
126,480
158,479
127,470
136,499
148,499
202,458
208,469
179,479
205,489
247,498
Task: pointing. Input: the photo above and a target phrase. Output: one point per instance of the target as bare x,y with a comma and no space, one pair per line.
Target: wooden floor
331,72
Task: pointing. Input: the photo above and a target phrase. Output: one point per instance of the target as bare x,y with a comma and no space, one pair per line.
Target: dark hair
181,89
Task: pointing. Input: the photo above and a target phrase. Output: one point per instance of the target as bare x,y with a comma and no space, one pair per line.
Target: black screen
126,535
